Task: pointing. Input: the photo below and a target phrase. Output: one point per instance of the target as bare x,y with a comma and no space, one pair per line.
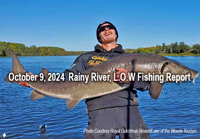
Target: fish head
176,68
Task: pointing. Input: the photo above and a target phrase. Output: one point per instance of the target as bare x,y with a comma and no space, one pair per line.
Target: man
116,112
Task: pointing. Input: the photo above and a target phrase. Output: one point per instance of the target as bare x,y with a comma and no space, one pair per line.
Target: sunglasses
103,28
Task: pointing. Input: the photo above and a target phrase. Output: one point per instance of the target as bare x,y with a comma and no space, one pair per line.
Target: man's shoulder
85,55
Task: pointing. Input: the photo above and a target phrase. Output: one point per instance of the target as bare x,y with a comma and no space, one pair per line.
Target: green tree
176,48
196,49
184,47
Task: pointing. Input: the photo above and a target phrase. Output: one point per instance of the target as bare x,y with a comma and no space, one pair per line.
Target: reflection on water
177,108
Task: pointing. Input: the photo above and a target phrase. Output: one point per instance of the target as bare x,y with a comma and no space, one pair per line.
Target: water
177,108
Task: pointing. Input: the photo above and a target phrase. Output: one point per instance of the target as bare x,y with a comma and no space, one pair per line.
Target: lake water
177,108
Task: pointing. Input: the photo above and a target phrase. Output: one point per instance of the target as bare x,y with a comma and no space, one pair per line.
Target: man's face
108,35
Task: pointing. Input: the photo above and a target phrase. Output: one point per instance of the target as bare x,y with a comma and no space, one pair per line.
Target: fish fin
16,66
155,89
36,95
45,73
71,103
7,79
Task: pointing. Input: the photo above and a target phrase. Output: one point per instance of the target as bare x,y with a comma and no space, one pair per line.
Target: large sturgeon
74,92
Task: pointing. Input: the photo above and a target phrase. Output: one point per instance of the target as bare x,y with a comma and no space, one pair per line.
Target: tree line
171,49
22,50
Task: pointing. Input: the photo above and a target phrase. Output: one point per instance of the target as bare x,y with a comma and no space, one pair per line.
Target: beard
107,40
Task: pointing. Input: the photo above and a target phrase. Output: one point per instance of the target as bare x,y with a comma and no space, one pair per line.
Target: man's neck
109,46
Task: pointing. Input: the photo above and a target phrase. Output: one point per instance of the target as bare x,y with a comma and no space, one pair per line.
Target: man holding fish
118,111
112,107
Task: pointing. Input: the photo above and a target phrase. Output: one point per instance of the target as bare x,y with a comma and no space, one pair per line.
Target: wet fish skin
76,91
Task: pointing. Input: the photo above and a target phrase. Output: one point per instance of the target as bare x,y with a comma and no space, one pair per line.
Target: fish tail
16,66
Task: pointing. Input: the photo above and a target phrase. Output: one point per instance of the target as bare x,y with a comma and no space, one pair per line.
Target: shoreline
183,54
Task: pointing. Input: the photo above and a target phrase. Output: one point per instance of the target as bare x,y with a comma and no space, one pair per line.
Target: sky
72,24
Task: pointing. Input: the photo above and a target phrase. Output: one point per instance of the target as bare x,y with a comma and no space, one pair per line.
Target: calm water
177,108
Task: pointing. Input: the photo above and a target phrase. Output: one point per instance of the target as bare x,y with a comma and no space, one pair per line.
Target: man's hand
25,84
118,72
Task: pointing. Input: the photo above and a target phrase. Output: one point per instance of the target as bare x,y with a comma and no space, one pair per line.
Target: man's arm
118,73
77,67
139,85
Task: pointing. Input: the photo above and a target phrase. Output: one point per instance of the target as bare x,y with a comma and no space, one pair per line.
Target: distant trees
184,47
33,50
196,49
173,48
22,50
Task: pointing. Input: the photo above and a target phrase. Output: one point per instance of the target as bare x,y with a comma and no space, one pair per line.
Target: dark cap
98,29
